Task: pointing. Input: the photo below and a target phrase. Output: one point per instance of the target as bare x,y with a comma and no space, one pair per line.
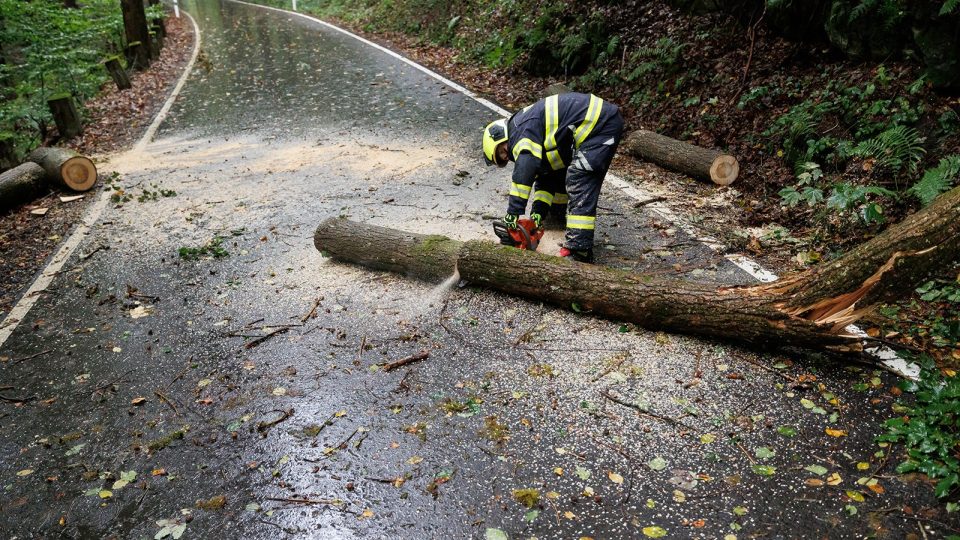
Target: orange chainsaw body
526,236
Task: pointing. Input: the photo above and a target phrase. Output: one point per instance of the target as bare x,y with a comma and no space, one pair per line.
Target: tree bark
117,73
810,309
137,55
136,31
700,163
65,115
21,184
66,168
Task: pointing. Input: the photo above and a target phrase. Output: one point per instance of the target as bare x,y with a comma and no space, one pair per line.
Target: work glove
537,218
510,220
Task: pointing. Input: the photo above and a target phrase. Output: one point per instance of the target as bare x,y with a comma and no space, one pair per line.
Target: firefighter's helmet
494,134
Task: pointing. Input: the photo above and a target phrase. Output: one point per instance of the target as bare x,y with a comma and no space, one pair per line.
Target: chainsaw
526,236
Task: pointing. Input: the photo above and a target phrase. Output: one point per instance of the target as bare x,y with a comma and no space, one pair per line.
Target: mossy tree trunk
136,31
808,309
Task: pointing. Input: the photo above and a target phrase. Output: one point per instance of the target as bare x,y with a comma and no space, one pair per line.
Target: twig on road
263,427
167,401
643,412
422,355
41,353
261,339
313,310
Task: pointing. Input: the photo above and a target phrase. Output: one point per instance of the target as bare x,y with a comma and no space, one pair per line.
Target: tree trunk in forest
117,73
782,313
136,31
137,56
21,184
65,115
154,46
699,163
66,168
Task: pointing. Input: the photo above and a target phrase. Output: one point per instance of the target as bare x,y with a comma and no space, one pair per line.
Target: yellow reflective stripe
581,222
520,190
551,123
543,196
589,122
561,198
526,144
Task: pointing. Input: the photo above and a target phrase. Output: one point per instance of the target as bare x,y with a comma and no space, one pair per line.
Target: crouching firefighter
561,147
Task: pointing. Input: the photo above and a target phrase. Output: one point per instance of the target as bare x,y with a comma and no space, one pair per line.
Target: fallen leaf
138,401
141,311
657,464
558,471
708,438
834,479
679,496
495,534
654,532
279,391
855,495
414,460
105,494
816,469
25,472
764,470
367,514
876,488
740,510
582,473
158,472
615,478
814,482
836,432
569,515
699,524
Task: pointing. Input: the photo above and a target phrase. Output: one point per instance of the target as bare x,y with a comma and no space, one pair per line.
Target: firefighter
561,147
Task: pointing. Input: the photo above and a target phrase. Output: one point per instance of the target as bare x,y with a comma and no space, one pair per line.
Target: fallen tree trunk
65,167
765,314
694,161
20,184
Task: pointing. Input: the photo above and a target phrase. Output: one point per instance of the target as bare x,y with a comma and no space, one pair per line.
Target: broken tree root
422,355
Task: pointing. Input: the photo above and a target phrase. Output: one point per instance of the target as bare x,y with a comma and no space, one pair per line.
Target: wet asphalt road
208,373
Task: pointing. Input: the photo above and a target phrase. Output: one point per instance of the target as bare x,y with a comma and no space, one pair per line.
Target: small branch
41,353
261,339
643,412
313,310
328,502
422,355
262,427
744,450
166,400
9,399
651,200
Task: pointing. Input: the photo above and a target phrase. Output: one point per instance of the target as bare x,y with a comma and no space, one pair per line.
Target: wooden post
154,46
65,167
160,31
136,31
65,114
8,158
117,73
699,163
137,56
20,184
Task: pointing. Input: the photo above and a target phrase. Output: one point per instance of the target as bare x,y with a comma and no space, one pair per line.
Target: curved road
206,368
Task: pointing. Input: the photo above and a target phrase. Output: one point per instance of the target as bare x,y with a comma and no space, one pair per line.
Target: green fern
937,180
949,7
893,149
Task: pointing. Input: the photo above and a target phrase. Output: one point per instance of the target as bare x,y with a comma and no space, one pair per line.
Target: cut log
66,168
700,163
21,184
65,115
154,46
117,73
775,314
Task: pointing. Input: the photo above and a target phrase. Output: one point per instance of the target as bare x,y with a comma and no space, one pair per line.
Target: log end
79,173
724,170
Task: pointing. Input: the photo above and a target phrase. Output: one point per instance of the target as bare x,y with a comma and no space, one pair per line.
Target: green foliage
893,149
663,58
214,248
50,49
940,291
949,6
937,180
930,428
808,180
846,197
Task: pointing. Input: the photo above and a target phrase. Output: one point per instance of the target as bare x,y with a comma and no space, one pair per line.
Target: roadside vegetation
48,49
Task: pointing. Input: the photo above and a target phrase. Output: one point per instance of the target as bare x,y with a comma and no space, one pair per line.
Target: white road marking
26,302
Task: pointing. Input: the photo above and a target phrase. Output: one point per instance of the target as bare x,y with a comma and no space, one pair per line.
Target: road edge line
55,264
